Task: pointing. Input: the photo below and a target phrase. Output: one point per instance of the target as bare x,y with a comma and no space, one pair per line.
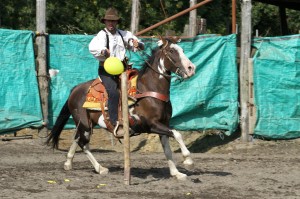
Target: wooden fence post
135,16
233,17
252,109
244,76
42,73
127,173
192,20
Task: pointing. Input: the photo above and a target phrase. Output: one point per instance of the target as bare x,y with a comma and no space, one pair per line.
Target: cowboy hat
111,14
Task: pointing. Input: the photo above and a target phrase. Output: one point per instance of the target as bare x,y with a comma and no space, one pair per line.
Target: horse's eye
171,51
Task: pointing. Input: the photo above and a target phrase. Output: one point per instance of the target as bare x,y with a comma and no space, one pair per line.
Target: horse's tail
58,126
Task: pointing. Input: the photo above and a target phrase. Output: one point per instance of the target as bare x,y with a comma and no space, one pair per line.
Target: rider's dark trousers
110,83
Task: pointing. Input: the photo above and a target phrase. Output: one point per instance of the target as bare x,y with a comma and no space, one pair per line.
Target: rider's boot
118,130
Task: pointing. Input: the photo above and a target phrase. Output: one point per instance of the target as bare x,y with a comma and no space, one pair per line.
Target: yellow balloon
113,66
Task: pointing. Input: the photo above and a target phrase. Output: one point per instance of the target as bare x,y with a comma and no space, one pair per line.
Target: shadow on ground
211,140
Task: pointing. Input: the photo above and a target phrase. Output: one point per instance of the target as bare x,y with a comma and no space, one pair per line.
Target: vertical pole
233,17
283,22
244,77
193,19
202,26
135,16
41,61
127,175
252,109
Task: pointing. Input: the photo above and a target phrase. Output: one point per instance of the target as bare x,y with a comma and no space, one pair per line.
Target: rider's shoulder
125,33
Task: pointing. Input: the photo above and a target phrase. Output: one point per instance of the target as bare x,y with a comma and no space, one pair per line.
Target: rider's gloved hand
105,53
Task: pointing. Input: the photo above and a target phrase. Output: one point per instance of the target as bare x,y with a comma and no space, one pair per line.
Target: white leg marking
174,171
68,164
185,152
98,168
101,122
168,153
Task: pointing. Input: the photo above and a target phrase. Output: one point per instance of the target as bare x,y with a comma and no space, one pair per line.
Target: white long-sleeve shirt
116,45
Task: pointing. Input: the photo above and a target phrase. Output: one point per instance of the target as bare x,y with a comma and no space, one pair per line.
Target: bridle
178,71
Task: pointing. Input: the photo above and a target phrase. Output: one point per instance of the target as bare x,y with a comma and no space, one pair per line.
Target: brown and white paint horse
150,112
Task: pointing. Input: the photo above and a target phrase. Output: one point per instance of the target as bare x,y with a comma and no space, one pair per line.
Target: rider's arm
134,43
97,46
138,45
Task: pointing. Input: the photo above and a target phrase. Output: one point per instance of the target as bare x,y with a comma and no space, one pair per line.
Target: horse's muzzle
190,70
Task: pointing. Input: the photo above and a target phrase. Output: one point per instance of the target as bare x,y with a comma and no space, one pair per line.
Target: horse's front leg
188,161
164,139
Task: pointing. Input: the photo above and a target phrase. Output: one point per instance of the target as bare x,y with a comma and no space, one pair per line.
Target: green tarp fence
277,87
19,102
70,57
208,100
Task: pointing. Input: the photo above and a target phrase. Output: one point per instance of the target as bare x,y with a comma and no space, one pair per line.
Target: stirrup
116,133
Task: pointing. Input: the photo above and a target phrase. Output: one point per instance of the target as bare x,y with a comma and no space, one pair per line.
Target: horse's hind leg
98,168
188,161
68,164
84,144
168,153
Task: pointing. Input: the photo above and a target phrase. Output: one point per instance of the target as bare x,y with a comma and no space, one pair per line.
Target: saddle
97,97
97,94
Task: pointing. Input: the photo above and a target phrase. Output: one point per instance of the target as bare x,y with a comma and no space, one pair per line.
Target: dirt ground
224,168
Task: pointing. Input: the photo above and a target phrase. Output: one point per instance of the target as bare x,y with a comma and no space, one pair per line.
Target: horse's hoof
103,171
189,167
67,167
181,176
188,161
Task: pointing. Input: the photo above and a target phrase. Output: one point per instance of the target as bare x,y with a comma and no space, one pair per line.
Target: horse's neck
151,80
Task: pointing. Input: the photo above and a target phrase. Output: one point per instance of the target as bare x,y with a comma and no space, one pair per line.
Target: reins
154,69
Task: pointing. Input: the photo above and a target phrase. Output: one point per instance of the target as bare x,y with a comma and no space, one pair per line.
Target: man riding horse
152,110
112,42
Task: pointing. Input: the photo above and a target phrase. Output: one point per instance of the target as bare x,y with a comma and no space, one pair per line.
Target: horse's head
173,58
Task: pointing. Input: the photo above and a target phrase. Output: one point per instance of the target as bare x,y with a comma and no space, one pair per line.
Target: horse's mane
150,60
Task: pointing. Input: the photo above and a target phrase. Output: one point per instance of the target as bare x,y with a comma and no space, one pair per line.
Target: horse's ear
175,39
162,41
178,39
